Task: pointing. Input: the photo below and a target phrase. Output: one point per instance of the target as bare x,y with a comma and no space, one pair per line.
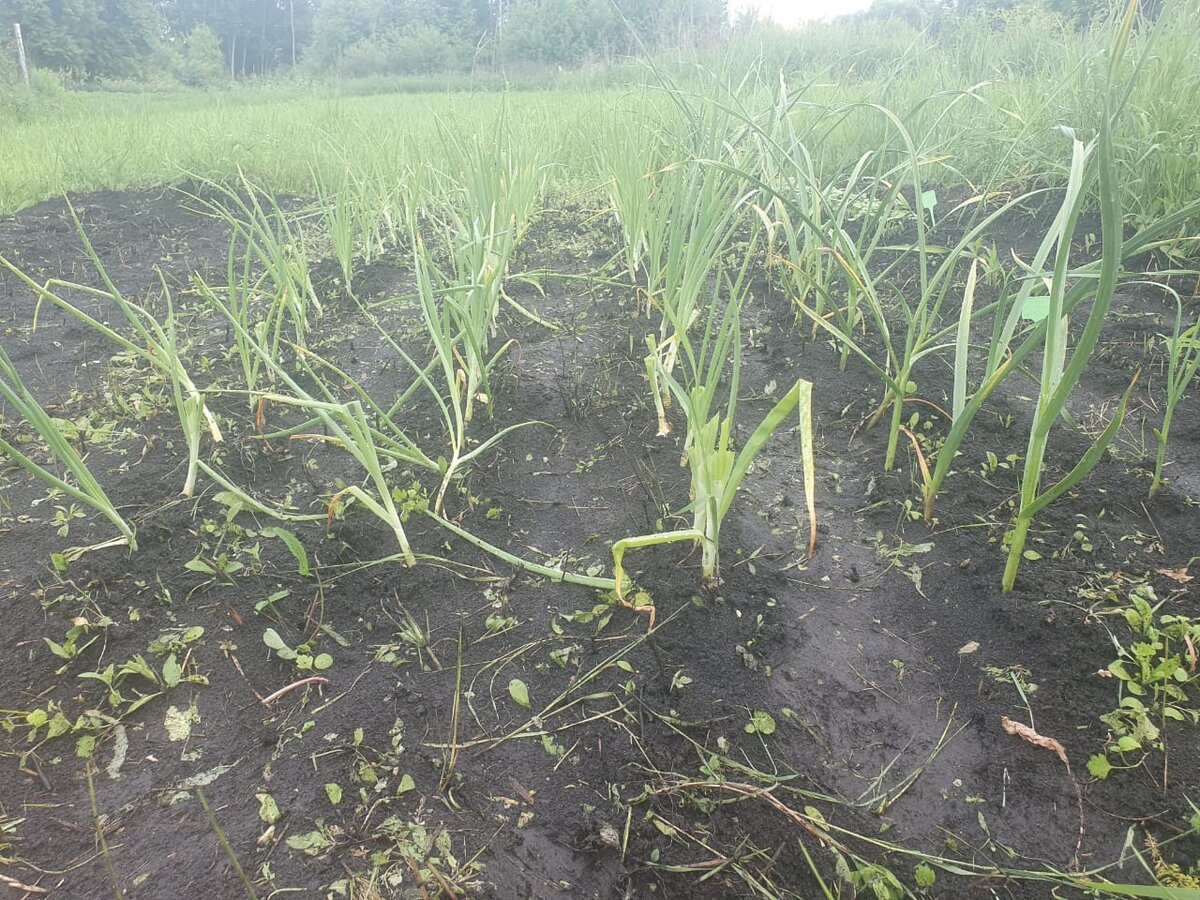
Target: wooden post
21,53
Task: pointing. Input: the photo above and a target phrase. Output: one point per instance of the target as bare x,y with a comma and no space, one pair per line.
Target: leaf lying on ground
1025,733
268,809
1179,574
203,779
178,723
120,749
519,692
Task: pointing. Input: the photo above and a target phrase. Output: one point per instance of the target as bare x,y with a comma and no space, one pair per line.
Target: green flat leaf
1128,744
268,809
139,666
519,692
322,661
1099,766
272,639
272,600
293,544
138,703
312,843
334,793
231,500
760,723
171,672
59,725
924,876
1035,309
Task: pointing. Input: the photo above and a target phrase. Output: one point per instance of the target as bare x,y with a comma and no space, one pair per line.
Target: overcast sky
793,12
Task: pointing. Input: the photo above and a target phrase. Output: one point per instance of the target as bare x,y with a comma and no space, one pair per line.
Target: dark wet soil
886,662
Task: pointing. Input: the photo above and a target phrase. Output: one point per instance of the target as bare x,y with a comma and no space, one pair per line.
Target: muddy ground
885,663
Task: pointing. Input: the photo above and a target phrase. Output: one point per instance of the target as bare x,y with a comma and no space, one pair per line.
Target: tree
203,62
552,32
255,36
360,37
567,32
94,38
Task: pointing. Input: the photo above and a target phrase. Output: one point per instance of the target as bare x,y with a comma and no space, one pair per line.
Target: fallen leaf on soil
268,809
204,779
1025,733
178,724
120,749
522,792
969,647
1179,574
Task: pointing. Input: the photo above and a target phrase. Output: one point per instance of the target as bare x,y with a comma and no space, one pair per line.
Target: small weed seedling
1156,674
302,656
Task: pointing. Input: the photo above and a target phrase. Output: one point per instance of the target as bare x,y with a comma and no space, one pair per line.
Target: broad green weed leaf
519,692
268,809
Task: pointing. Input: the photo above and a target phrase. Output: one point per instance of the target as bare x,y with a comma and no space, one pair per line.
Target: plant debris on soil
877,718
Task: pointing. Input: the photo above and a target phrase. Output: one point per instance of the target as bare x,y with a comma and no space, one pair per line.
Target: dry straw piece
1025,733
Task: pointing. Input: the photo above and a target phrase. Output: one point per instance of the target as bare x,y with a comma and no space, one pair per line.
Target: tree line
205,41
202,41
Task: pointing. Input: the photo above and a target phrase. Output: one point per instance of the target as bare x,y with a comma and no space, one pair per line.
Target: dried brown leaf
1025,733
1180,575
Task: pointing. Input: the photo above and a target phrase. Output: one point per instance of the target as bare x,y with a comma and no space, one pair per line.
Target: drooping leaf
293,544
